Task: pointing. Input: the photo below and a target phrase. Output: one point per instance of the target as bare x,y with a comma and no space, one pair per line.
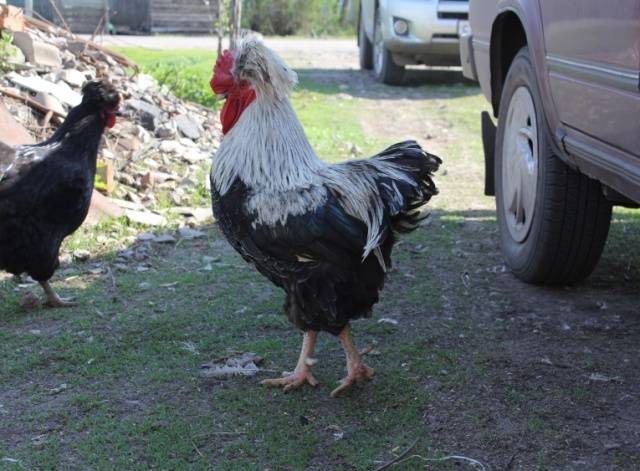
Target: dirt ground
544,378
559,365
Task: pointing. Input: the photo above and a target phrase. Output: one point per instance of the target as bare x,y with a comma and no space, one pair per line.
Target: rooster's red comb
223,81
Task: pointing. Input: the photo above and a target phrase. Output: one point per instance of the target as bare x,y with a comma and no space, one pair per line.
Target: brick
11,18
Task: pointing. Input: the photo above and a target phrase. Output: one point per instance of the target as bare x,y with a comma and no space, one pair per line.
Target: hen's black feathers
317,257
45,189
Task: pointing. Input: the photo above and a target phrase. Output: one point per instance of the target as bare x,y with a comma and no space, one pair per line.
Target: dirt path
558,385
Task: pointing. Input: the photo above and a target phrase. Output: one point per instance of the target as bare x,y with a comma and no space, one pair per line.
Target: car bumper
467,58
433,29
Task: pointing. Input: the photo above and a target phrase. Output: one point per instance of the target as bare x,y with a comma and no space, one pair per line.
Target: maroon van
563,80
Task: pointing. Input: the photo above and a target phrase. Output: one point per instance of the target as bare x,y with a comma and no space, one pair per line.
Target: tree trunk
345,11
236,18
220,27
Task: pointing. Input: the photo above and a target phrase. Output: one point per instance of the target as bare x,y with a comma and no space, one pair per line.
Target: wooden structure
183,16
129,16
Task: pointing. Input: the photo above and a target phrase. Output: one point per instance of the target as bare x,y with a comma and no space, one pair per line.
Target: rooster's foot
53,300
60,302
357,373
293,381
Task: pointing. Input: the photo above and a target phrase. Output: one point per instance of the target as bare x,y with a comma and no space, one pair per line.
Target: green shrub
7,50
303,17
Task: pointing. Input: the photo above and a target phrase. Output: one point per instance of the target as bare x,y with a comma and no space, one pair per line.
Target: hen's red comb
222,81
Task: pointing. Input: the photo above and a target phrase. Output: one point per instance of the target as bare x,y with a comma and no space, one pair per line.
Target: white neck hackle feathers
269,152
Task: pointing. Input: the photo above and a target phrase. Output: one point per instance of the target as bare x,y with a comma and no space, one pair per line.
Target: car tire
553,220
385,70
366,47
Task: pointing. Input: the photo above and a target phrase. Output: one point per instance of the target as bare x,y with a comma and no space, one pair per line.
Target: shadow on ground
418,83
479,364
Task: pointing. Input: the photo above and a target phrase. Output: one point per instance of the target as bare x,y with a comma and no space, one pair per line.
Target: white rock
73,77
170,147
145,218
50,102
36,84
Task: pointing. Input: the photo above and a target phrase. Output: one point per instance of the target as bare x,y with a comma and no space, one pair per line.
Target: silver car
395,33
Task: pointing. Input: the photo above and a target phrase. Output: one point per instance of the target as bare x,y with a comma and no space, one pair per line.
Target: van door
593,59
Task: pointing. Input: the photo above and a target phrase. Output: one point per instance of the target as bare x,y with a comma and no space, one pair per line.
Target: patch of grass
185,72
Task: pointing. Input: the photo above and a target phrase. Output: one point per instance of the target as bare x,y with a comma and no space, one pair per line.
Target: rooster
45,189
323,233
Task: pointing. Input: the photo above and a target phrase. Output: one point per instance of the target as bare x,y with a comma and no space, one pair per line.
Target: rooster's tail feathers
407,185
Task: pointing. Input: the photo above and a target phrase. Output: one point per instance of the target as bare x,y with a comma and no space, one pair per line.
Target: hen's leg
302,373
357,371
53,300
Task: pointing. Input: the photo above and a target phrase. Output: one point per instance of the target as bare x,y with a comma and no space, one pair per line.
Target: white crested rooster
323,233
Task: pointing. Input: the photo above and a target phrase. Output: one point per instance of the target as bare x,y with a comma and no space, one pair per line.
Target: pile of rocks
154,160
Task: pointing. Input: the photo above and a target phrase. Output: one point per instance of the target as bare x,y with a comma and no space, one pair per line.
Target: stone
102,208
170,147
76,47
145,237
147,114
188,233
36,84
164,239
187,142
147,181
50,102
193,156
129,144
73,77
146,218
162,177
37,53
187,126
81,255
165,132
126,179
188,183
144,82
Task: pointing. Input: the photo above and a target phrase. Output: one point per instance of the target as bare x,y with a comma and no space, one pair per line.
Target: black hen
45,189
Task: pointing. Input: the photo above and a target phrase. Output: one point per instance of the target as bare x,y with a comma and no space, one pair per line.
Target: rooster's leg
302,374
357,371
53,300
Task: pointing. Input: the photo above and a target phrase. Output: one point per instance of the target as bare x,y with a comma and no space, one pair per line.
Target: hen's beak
222,96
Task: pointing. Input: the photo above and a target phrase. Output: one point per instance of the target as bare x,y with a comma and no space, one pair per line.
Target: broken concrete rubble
37,52
159,147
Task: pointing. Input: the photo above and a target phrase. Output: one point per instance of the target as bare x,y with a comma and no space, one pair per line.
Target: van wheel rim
520,164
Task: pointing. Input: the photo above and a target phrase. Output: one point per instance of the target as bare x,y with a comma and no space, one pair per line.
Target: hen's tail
405,183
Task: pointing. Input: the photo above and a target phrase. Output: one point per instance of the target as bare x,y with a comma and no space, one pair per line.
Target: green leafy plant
7,50
300,17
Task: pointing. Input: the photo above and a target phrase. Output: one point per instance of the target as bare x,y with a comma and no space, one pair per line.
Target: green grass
185,72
